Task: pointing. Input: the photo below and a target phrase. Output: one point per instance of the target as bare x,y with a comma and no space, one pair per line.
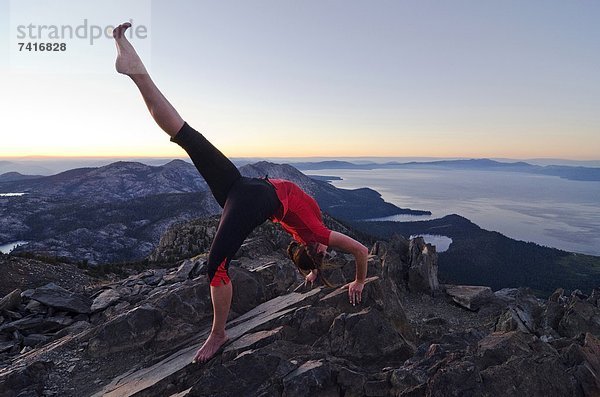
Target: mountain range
119,211
567,172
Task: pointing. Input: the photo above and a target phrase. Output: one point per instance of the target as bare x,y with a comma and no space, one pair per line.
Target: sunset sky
513,79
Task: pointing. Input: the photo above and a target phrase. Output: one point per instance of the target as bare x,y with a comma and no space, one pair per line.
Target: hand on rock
310,278
355,292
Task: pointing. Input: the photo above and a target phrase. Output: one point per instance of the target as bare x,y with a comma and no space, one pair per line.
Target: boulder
277,277
591,355
34,306
187,270
128,331
594,298
54,296
351,382
469,296
423,269
35,339
314,377
37,324
374,329
394,258
107,298
11,300
365,336
155,276
248,291
6,346
579,318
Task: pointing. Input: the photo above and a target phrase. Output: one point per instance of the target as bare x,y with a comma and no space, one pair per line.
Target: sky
510,79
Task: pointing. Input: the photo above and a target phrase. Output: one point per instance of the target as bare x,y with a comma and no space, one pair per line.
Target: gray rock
58,297
74,329
377,388
594,298
34,306
423,270
107,298
277,277
11,301
6,346
365,336
312,377
351,382
254,340
155,276
248,291
557,295
580,317
267,362
591,354
127,331
34,340
469,296
37,324
394,259
185,271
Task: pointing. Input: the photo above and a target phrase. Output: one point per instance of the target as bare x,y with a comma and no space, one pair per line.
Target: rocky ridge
411,336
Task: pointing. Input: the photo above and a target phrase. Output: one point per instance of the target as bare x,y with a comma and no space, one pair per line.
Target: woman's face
317,251
321,248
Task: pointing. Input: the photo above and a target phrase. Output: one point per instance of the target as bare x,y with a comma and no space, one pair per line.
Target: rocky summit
410,336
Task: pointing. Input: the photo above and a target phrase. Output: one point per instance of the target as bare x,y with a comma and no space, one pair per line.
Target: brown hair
306,259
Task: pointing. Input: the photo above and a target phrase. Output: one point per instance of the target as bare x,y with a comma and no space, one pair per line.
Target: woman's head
305,257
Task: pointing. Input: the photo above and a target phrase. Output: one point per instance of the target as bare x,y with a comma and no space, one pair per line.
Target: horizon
46,166
341,158
325,80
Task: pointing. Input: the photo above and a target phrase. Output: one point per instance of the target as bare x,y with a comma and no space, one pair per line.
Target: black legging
246,202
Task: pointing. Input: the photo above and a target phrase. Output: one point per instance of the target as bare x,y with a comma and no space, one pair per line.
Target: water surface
7,248
543,209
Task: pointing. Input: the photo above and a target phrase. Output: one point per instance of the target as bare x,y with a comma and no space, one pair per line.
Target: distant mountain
562,171
482,257
334,164
23,167
116,181
15,176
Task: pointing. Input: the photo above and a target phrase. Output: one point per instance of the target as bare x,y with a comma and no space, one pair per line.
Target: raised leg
129,63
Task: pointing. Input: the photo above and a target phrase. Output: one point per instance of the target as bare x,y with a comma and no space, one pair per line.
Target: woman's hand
311,277
355,292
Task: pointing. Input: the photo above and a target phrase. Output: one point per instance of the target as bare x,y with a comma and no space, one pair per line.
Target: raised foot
210,348
128,62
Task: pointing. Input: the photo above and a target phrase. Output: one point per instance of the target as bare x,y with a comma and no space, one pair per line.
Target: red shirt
300,214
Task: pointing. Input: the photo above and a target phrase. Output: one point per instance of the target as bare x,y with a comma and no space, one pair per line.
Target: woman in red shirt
246,203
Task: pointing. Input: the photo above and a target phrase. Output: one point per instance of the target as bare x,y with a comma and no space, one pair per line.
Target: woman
246,203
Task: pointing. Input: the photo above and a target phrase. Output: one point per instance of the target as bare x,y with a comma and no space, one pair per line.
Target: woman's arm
361,253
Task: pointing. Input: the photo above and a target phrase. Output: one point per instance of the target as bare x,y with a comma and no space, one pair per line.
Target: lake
543,209
12,194
7,248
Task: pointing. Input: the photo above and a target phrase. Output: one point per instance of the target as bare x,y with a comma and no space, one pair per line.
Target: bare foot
210,347
128,62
